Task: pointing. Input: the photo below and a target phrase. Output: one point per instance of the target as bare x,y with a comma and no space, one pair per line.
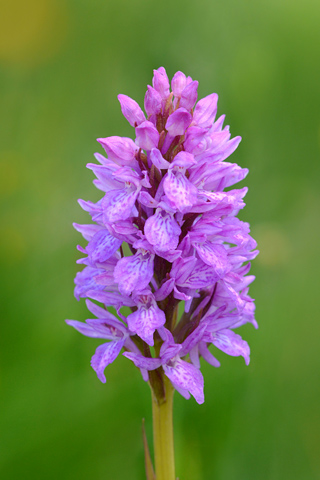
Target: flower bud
178,83
131,110
160,82
147,136
178,122
152,101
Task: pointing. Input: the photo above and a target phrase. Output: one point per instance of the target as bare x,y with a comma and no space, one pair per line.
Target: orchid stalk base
163,434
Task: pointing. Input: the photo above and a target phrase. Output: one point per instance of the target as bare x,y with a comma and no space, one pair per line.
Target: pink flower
165,198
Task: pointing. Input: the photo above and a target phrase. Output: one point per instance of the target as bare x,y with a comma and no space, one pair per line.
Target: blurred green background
62,63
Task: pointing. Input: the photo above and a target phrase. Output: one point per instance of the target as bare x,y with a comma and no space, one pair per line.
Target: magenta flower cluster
167,196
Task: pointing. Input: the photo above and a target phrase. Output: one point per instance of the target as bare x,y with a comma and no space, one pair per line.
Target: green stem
163,433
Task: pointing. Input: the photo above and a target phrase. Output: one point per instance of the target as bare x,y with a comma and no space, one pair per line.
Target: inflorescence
165,197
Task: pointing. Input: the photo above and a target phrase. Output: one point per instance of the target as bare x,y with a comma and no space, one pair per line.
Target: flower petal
189,95
183,160
160,82
158,160
165,290
102,246
147,136
118,204
87,231
134,271
232,344
99,312
147,200
162,231
180,295
183,392
131,110
169,349
178,122
180,191
214,255
205,111
193,339
120,150
187,377
201,276
85,329
110,328
152,101
104,355
111,298
146,320
143,362
86,281
178,83
203,349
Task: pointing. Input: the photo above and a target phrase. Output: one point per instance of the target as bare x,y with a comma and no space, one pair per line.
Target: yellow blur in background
32,32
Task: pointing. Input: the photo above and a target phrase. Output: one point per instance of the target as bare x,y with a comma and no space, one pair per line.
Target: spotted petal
86,281
118,204
102,246
232,344
162,231
201,276
180,191
214,255
186,376
146,320
132,272
104,355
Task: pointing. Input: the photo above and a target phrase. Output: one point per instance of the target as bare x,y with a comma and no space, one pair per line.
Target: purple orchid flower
167,197
108,327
